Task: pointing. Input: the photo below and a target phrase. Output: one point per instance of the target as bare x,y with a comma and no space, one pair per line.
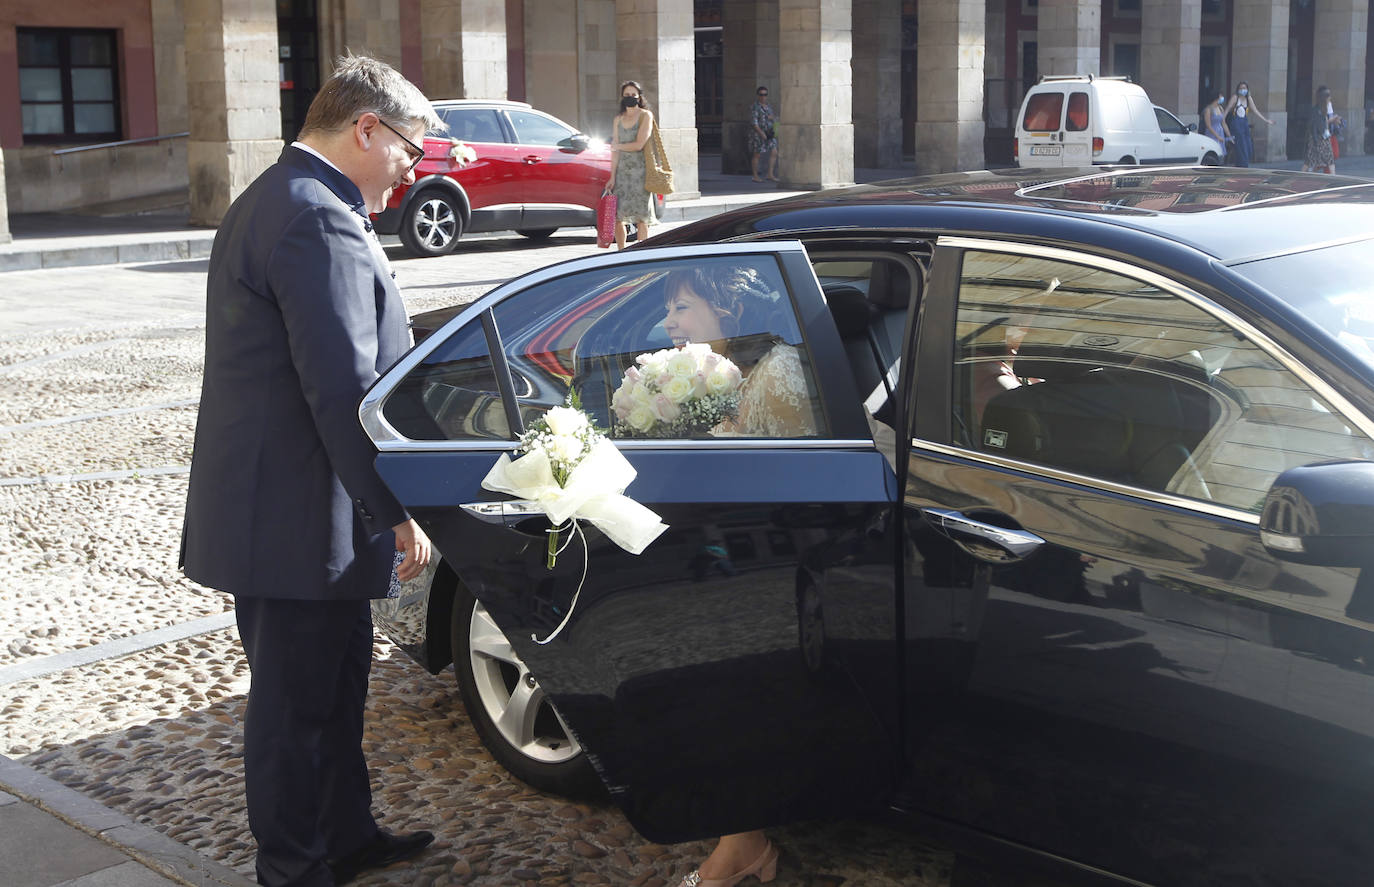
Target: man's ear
365,129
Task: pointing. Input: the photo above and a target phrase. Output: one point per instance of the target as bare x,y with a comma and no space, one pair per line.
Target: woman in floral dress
762,139
630,130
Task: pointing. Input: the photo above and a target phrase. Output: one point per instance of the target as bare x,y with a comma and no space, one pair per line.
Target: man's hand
416,545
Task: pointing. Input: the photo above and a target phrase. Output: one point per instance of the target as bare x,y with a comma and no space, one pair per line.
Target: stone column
598,87
815,120
234,100
551,36
750,60
1342,30
463,48
878,83
5,236
656,47
1259,56
169,63
1069,37
949,66
363,27
1170,43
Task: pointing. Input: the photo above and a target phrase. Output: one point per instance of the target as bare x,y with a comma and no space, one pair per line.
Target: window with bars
68,84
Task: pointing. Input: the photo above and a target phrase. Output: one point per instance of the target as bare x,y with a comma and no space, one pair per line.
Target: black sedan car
1069,561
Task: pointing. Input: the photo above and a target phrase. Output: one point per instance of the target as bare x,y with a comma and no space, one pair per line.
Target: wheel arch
442,183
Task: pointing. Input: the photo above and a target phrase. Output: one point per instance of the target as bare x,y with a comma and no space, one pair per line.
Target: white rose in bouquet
676,392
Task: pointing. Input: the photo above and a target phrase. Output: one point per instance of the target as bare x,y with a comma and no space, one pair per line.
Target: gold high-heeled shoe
765,868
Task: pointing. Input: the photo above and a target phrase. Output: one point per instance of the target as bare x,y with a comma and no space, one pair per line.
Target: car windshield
1332,286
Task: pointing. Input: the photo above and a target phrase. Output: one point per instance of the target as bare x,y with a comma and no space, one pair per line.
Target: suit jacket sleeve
323,276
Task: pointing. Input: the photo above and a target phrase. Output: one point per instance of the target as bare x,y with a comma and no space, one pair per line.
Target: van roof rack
1089,77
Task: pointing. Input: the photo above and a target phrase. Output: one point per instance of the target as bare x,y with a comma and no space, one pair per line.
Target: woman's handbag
658,172
605,220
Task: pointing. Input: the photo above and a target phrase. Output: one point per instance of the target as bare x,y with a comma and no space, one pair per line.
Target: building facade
110,100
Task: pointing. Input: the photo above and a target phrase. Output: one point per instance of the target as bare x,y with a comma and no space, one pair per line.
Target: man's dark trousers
306,780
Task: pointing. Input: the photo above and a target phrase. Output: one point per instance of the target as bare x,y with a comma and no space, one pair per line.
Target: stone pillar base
805,149
948,146
1274,146
681,145
220,171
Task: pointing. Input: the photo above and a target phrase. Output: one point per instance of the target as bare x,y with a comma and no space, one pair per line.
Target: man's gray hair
360,84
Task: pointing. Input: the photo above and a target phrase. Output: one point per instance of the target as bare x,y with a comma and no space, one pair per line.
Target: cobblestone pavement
99,375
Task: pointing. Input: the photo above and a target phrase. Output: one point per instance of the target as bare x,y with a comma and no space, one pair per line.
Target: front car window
536,129
473,124
1109,377
1332,286
621,338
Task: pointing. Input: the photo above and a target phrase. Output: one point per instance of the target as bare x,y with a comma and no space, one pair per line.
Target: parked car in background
1073,566
1077,120
532,173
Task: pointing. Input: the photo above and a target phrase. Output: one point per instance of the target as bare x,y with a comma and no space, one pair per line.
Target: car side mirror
1192,127
575,143
1321,514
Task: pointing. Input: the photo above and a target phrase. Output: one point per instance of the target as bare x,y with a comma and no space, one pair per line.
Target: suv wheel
509,710
432,224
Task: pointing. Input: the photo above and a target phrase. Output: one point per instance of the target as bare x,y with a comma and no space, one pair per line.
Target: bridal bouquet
461,152
572,472
676,392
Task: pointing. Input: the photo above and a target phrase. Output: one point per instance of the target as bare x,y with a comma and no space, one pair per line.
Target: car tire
432,224
1128,160
1211,159
510,712
538,233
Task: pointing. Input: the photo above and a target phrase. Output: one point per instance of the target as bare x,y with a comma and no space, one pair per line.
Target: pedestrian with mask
285,509
1239,110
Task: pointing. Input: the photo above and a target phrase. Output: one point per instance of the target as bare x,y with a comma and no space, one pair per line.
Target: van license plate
1052,150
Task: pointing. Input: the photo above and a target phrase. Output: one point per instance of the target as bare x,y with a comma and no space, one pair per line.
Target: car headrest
850,309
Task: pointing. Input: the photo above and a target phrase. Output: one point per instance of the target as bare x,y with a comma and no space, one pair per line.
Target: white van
1081,120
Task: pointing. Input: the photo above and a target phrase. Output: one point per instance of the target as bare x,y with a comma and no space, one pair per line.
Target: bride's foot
764,866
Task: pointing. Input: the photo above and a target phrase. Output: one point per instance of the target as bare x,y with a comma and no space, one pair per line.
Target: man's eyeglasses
763,95
415,151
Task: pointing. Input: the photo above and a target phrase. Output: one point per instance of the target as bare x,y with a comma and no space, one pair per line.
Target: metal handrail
175,135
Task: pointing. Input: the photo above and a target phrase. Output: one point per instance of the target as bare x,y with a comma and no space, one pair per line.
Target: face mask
1221,100
628,102
1244,91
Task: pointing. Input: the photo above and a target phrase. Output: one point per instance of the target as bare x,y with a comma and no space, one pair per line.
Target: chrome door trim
1199,505
386,438
1196,299
497,447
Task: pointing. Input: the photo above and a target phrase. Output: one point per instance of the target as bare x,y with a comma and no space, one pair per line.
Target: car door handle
507,513
985,541
533,158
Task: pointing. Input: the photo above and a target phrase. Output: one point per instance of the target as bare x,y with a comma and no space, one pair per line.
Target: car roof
1229,214
478,103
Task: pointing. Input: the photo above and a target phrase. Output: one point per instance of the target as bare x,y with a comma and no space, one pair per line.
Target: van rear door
1077,137
1055,129
1040,129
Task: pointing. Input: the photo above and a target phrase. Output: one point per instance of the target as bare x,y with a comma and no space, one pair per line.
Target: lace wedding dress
775,400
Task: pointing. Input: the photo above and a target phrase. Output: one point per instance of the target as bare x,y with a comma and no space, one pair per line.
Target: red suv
533,174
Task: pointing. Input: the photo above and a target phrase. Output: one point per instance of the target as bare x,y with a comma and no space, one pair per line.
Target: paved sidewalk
51,836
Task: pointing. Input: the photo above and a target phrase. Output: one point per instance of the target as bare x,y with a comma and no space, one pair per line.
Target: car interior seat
853,313
1130,424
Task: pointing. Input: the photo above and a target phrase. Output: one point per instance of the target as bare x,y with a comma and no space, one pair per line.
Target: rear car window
1043,111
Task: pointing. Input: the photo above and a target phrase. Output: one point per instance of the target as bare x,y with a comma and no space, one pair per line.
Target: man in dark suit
285,509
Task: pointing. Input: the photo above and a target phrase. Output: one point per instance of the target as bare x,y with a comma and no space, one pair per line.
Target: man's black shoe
382,851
